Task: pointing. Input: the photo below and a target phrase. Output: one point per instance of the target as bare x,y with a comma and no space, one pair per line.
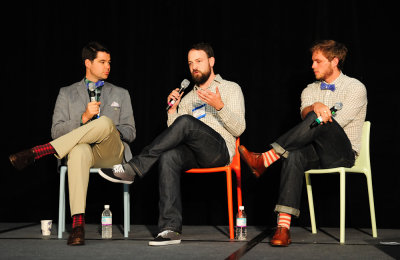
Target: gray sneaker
118,173
167,237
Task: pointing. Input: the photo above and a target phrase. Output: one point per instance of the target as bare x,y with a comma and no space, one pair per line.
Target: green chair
362,165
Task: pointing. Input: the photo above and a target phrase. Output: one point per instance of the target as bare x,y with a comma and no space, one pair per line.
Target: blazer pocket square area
115,104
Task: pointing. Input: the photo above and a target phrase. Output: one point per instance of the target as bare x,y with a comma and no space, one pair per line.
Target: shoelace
164,233
118,168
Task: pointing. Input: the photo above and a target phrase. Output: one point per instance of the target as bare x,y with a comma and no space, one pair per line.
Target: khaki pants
96,144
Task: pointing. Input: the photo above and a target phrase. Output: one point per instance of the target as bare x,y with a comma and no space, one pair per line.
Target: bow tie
325,86
93,85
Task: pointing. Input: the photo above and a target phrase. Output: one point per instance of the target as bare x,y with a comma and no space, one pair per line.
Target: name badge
199,112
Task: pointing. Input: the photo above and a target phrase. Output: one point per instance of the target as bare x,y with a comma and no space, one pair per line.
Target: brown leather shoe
281,237
22,159
77,236
254,160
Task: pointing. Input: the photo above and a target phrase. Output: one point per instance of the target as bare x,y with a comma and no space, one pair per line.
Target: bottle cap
106,206
241,207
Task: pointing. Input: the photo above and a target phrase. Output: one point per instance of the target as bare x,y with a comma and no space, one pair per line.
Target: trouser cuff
279,150
135,168
172,229
287,210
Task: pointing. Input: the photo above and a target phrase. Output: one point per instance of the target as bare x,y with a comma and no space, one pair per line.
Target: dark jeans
187,143
324,146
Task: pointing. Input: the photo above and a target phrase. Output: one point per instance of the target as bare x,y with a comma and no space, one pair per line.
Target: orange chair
235,165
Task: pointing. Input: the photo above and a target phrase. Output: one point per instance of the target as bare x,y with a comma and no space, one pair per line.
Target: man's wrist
221,106
171,111
84,119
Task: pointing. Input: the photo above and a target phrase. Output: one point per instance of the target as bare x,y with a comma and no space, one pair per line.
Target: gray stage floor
24,241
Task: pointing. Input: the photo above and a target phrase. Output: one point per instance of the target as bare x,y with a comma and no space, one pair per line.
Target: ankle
270,157
78,220
284,220
43,150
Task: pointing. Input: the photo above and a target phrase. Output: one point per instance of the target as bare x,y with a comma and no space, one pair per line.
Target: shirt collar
89,81
217,79
337,80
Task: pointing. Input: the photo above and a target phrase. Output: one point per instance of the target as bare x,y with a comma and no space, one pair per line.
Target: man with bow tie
92,126
334,143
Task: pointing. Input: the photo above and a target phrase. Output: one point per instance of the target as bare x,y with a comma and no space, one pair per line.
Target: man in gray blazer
92,123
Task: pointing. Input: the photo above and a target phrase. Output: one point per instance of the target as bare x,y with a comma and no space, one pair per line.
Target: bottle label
106,221
240,222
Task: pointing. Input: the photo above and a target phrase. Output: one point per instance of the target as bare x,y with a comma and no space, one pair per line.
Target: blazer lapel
82,93
105,92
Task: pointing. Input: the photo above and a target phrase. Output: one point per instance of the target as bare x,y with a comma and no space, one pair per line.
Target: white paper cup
46,227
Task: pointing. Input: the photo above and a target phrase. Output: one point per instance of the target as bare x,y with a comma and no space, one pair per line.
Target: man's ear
88,63
211,60
335,61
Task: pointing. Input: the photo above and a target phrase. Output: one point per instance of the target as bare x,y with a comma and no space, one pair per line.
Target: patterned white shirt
352,94
229,122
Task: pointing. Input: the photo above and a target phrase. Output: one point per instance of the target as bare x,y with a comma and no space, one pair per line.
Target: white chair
362,165
61,207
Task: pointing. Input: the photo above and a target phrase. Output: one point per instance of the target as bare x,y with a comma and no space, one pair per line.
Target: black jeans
185,144
302,148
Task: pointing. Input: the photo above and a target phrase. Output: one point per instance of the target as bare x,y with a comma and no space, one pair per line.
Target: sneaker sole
164,243
105,176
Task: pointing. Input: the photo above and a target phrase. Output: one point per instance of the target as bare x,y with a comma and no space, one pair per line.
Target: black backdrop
262,45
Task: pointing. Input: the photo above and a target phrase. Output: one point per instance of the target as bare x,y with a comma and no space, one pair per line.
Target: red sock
270,157
42,150
78,220
284,220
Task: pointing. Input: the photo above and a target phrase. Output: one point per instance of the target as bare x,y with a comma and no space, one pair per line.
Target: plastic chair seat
61,207
362,165
235,165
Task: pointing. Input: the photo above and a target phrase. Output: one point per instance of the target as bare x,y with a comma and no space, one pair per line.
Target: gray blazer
115,103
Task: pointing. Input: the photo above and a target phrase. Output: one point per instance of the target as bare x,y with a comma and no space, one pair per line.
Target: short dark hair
91,49
203,46
331,49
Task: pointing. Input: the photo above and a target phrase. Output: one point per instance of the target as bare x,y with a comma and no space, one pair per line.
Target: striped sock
270,157
42,150
284,220
78,220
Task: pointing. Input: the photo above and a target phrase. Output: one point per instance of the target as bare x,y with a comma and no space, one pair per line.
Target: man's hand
212,99
322,111
174,95
92,109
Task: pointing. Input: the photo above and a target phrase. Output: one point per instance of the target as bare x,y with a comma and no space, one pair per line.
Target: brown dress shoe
254,160
77,236
22,159
281,237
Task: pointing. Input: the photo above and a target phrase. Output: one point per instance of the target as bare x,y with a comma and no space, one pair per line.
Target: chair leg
126,210
342,205
129,212
61,203
371,204
230,203
239,189
311,204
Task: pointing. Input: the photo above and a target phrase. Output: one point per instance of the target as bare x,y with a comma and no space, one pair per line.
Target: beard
324,76
202,78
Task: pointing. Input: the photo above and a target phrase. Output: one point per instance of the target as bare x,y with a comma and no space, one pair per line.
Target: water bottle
241,224
106,222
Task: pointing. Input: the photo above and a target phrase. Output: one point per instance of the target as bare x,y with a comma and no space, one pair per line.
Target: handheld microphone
185,83
333,109
92,95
